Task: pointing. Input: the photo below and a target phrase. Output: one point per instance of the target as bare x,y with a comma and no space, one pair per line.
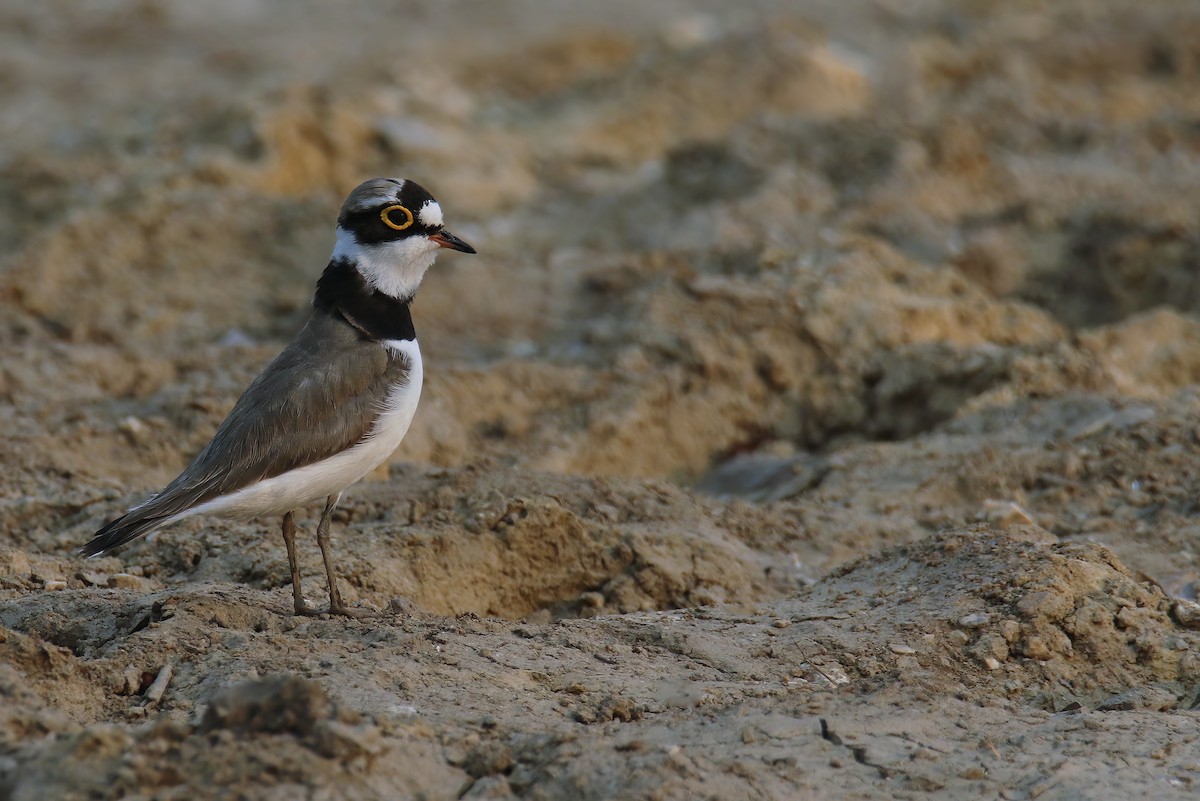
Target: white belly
304,485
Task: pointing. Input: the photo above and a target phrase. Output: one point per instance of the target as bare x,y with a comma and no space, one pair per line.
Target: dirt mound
485,540
971,620
1058,624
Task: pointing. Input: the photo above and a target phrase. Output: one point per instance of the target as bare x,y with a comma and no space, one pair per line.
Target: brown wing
318,397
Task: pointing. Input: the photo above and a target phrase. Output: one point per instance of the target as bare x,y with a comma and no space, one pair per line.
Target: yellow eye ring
390,223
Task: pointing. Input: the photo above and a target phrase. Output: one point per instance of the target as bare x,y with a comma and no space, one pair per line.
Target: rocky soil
817,421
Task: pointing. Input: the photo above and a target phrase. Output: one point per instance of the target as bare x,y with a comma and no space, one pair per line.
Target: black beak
449,240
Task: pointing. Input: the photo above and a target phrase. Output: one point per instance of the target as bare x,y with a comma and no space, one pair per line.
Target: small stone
154,692
126,581
990,646
1050,604
1006,513
959,637
781,624
901,649
488,759
54,585
974,620
132,680
338,740
1036,648
1189,667
991,663
1010,630
690,31
832,673
1186,613
93,579
1148,698
44,574
454,754
134,430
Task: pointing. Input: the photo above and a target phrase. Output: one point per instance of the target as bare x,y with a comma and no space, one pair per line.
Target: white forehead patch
431,214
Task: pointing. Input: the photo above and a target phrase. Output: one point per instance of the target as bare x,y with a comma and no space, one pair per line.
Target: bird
335,403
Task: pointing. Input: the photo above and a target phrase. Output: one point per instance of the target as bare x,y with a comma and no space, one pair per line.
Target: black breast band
376,315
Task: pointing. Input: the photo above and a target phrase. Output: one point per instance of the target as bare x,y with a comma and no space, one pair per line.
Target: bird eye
405,216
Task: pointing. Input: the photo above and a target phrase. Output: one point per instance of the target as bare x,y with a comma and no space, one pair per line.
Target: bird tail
128,526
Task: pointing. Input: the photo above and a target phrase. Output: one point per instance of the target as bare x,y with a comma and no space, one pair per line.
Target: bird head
391,230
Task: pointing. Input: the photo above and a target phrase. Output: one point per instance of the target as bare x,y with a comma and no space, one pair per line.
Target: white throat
394,268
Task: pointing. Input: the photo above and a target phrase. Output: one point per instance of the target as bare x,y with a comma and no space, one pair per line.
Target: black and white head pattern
385,229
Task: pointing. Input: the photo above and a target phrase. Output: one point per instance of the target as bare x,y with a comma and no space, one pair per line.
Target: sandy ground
818,420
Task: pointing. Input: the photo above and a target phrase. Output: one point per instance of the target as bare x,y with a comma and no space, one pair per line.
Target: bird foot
345,611
354,612
304,610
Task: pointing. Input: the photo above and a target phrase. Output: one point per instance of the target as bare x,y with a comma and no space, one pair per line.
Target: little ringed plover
335,403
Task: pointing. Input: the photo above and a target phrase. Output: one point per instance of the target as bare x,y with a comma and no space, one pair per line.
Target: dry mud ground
818,420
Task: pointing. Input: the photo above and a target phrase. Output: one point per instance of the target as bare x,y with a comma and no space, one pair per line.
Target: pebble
126,581
132,680
833,673
990,646
154,692
1006,513
1148,698
44,575
337,740
690,31
54,585
1036,648
1186,614
974,620
1189,666
135,430
1051,604
901,648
